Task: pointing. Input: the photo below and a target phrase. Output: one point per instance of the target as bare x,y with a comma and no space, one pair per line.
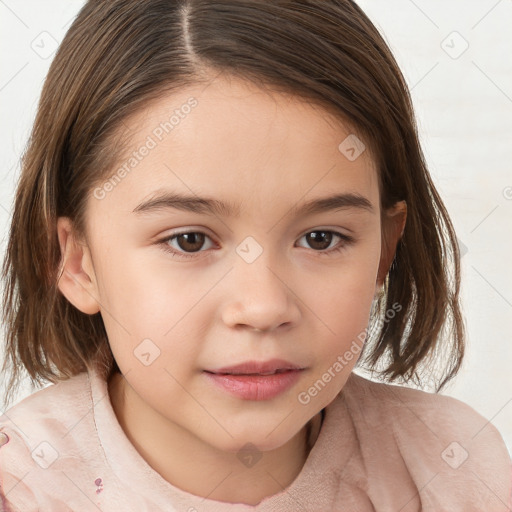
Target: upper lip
258,367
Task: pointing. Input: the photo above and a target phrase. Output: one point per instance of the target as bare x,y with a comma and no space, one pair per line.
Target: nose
261,299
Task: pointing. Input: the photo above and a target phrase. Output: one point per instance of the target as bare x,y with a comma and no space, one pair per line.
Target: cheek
340,340
143,293
152,317
344,321
343,294
342,303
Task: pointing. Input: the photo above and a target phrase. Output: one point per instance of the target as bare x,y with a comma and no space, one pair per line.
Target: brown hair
117,56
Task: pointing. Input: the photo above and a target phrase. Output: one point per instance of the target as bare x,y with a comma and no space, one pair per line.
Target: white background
464,109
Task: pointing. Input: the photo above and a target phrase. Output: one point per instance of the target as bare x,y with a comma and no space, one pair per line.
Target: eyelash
348,240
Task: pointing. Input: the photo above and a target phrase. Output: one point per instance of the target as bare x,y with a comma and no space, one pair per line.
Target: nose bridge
257,268
260,298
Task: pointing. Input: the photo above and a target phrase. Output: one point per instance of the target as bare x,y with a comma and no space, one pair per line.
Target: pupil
195,239
316,237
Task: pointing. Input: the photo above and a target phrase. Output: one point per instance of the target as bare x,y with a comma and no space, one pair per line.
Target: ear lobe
393,227
75,283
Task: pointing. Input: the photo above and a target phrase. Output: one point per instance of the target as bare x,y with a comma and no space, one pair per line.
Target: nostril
4,439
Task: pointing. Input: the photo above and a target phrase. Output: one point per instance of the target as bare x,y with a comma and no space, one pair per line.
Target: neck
209,473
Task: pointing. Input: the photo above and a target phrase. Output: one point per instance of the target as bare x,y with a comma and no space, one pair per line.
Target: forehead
241,144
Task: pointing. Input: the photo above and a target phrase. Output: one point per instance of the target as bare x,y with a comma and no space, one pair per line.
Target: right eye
191,241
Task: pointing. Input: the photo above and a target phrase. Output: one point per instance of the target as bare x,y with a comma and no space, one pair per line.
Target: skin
268,152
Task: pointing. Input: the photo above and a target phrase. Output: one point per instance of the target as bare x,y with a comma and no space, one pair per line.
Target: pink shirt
381,447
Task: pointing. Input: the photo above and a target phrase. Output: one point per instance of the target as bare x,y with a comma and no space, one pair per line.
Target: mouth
258,368
254,380
261,374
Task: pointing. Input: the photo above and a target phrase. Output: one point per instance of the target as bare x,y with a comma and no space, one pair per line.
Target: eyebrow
165,200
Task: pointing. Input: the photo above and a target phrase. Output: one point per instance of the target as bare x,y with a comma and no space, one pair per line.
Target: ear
393,225
77,280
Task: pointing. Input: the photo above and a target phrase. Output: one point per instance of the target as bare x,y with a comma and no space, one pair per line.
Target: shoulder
413,409
39,437
51,410
440,439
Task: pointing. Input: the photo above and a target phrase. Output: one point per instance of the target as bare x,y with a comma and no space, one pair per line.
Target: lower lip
256,387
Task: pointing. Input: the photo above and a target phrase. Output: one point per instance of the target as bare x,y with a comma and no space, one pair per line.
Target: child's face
171,319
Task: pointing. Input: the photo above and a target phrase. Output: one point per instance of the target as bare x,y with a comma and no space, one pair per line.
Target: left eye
192,241
321,237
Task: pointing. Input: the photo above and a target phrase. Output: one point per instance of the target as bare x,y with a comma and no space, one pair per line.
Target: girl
223,210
